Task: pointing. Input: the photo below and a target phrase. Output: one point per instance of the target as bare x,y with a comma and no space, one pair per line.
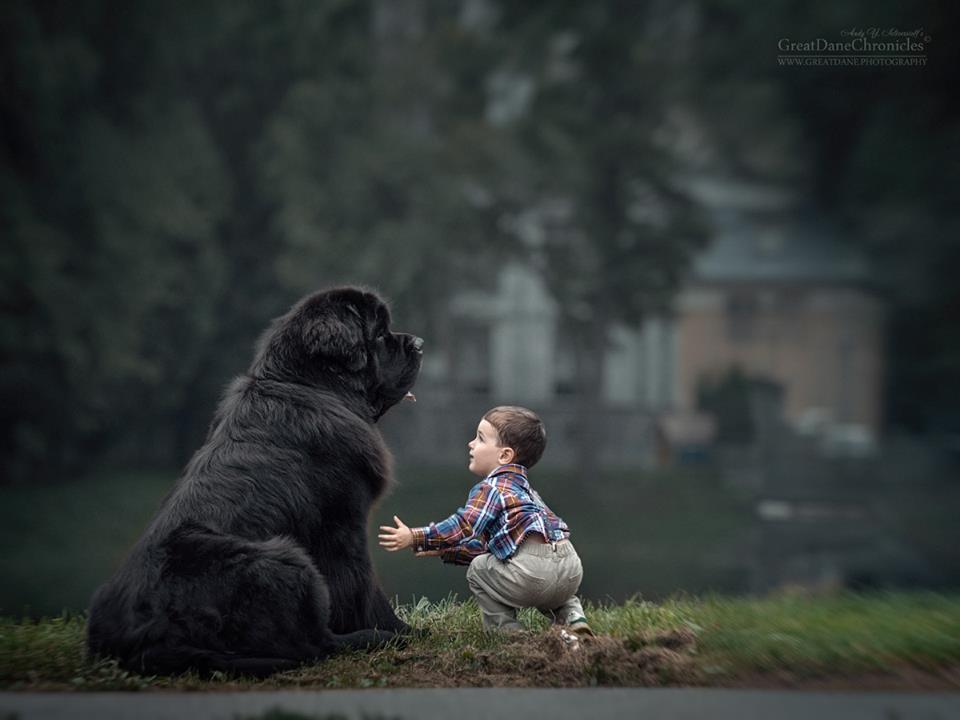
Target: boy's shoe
578,626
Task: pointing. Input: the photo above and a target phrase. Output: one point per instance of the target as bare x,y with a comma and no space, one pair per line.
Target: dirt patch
547,660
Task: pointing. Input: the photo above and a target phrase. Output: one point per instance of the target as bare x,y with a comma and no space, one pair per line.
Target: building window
741,316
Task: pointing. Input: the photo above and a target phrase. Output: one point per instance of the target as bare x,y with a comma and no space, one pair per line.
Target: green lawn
57,543
652,534
716,640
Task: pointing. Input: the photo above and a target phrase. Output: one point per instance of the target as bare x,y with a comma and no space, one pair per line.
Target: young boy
517,548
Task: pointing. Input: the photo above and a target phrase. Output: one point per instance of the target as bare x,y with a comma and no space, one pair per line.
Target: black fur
257,560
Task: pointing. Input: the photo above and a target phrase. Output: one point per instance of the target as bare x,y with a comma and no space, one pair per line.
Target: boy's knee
477,568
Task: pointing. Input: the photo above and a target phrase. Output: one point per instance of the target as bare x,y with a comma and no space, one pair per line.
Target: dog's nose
417,343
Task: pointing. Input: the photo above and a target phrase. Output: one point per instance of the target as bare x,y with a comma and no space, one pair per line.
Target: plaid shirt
501,510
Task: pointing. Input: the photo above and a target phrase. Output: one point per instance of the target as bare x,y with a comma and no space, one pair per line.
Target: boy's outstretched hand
395,538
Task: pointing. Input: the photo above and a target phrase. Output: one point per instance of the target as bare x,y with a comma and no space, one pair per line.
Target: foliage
59,542
106,221
171,181
607,223
729,397
383,182
624,232
170,187
845,633
878,151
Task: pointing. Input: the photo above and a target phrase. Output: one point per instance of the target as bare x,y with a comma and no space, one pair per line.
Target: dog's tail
160,660
363,639
169,661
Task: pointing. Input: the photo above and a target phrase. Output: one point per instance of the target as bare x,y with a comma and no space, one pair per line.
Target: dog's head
341,340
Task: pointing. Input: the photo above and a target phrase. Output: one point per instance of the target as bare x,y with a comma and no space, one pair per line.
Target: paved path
484,704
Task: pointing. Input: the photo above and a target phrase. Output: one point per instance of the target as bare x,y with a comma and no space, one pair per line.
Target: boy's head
507,434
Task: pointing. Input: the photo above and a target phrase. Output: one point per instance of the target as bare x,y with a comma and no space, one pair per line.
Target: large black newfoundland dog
257,560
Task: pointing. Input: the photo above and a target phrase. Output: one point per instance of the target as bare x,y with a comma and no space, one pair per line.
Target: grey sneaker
580,627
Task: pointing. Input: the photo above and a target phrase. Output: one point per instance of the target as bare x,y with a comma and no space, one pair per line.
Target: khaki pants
545,577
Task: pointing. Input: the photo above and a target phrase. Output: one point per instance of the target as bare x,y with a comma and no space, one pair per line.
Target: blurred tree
619,231
384,179
174,179
727,397
108,197
238,62
171,180
882,154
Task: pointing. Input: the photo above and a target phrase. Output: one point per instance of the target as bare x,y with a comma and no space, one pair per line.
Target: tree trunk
589,351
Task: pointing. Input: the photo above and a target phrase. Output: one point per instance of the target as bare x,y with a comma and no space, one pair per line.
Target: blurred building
777,294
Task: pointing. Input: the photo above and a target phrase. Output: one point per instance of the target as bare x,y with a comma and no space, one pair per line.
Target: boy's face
486,454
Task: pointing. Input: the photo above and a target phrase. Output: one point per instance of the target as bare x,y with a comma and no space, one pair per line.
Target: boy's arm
464,525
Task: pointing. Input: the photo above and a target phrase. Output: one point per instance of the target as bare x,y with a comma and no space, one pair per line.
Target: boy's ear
507,455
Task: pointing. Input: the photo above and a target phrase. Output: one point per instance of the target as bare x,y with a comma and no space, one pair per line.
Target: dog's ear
337,333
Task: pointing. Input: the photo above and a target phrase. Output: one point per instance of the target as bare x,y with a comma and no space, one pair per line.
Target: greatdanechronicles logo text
871,47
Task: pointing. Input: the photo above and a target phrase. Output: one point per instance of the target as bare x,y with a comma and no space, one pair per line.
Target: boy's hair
520,429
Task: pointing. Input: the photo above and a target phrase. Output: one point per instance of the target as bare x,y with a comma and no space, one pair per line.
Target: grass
57,543
636,532
714,640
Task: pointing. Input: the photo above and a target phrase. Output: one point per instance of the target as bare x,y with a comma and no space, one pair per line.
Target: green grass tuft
845,634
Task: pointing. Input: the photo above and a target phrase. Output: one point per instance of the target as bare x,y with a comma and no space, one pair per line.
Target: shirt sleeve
463,553
465,525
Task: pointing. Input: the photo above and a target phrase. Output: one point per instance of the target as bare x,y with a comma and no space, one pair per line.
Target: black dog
257,560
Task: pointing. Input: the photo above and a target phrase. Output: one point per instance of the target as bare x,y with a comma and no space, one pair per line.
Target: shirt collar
519,471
